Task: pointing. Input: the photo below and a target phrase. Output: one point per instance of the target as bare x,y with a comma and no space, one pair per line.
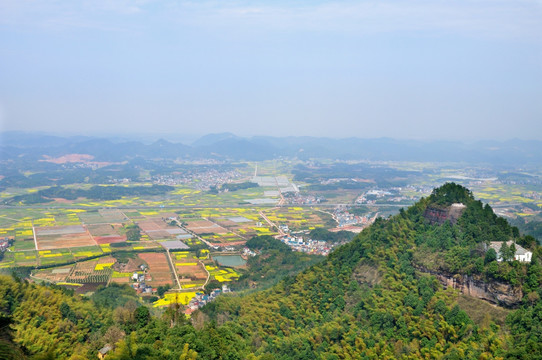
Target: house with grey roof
522,254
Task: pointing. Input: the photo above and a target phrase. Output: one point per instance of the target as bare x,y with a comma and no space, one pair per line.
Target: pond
229,260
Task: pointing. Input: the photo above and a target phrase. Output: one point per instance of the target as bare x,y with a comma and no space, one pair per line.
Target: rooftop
496,245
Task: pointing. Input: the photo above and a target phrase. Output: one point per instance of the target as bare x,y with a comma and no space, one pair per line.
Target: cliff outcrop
436,215
495,292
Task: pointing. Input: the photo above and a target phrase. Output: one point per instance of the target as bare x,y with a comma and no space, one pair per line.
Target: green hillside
373,298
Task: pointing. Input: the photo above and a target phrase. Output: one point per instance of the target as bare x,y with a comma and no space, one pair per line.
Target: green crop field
227,217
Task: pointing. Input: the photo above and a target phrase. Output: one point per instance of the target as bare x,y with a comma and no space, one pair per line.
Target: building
102,353
4,245
522,254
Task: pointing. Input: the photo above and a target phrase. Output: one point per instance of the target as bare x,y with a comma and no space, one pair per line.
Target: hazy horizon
466,70
188,139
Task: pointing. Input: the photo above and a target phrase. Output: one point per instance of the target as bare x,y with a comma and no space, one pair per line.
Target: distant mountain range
229,146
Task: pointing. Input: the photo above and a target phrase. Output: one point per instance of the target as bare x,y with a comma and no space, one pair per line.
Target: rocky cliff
494,292
439,216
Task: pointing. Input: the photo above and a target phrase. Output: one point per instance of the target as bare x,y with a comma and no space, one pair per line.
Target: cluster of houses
202,180
247,252
297,199
370,196
344,218
4,244
201,299
139,284
315,247
224,249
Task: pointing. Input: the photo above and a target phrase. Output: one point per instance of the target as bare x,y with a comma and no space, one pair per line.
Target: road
281,233
174,270
332,215
34,233
208,274
282,199
193,234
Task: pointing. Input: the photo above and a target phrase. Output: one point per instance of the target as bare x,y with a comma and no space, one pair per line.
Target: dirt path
208,273
332,215
193,234
281,233
34,234
173,269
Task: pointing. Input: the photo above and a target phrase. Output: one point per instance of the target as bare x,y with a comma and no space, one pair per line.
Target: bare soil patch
61,241
159,271
109,239
205,227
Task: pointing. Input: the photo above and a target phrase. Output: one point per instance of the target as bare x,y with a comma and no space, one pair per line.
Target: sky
402,69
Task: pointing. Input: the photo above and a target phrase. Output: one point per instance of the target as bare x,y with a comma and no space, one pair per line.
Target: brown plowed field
156,228
159,234
101,230
48,242
109,239
112,215
158,268
205,227
152,225
193,272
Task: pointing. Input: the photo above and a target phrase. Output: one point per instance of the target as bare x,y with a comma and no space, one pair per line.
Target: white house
522,254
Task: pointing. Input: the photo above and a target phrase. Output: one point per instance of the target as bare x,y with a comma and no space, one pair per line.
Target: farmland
96,242
190,270
84,272
58,237
159,271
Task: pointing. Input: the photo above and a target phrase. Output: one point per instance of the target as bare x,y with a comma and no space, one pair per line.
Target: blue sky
403,69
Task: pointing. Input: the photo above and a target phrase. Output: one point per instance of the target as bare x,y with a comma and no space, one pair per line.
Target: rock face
494,292
439,216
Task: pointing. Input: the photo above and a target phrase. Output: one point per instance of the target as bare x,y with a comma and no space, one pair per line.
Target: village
309,246
200,180
201,299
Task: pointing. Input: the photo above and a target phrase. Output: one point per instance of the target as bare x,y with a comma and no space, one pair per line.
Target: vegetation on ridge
366,300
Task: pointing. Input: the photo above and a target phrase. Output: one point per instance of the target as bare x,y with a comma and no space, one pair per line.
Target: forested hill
369,299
